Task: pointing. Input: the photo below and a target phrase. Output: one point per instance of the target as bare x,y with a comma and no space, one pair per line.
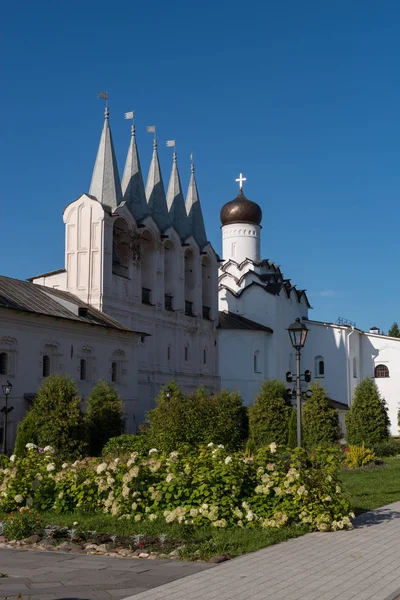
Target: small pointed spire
106,184
194,212
176,202
155,192
132,181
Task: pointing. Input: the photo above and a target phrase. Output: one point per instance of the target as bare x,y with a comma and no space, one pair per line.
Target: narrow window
256,366
186,353
204,356
46,366
321,368
83,369
381,371
169,353
3,363
233,251
354,367
114,372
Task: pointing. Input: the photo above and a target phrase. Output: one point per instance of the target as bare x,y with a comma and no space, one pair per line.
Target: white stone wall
241,241
27,337
192,358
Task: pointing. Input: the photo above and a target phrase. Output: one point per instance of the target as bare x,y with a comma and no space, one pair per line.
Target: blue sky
302,97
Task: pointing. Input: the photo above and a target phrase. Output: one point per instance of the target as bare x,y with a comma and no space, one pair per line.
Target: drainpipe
349,367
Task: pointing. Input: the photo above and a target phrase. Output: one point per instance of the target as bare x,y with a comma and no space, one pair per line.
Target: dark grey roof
228,320
29,297
338,405
56,272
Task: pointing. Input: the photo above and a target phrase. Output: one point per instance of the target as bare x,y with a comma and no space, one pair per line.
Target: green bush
359,456
389,448
104,416
368,420
180,420
26,433
126,444
320,422
270,414
209,486
21,524
292,429
55,419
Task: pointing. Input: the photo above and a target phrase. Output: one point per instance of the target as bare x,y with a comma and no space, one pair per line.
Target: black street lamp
7,387
298,334
168,393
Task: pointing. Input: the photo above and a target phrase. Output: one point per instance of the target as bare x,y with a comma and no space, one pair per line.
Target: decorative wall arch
9,354
148,250
122,251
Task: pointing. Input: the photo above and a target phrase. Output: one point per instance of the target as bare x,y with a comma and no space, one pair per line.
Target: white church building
144,299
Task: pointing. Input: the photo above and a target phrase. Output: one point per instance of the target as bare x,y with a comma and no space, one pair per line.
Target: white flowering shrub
212,486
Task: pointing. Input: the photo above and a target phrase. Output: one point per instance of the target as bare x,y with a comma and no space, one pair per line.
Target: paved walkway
362,564
61,576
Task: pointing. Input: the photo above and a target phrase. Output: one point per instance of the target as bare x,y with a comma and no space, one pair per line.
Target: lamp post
298,334
7,387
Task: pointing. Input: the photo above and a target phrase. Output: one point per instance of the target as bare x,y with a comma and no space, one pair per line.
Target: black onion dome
241,210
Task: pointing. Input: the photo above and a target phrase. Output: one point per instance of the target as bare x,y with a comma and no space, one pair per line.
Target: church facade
143,299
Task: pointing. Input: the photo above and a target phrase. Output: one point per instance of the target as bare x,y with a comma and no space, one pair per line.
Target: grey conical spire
132,181
176,202
194,212
106,184
155,193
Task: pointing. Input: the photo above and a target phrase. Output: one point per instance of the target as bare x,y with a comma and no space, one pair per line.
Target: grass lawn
209,541
371,489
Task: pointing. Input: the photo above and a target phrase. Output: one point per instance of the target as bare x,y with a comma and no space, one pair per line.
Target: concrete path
61,576
362,564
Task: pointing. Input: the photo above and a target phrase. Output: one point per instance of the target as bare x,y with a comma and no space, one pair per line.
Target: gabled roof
229,320
176,203
155,193
105,185
194,212
39,299
132,181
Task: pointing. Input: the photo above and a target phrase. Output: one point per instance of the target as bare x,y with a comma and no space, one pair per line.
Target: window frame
383,369
4,366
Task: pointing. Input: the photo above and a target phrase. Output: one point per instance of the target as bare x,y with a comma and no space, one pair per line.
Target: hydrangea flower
13,457
101,468
18,498
30,446
51,467
228,460
273,447
153,451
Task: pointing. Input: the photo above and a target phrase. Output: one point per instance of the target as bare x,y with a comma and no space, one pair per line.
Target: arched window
190,281
206,286
114,372
381,371
121,248
83,369
118,367
204,356
319,366
170,275
3,363
46,366
147,268
354,367
256,362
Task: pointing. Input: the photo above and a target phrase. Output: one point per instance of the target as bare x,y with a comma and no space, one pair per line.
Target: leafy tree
394,331
199,418
104,416
292,429
269,416
368,420
320,422
55,418
26,433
